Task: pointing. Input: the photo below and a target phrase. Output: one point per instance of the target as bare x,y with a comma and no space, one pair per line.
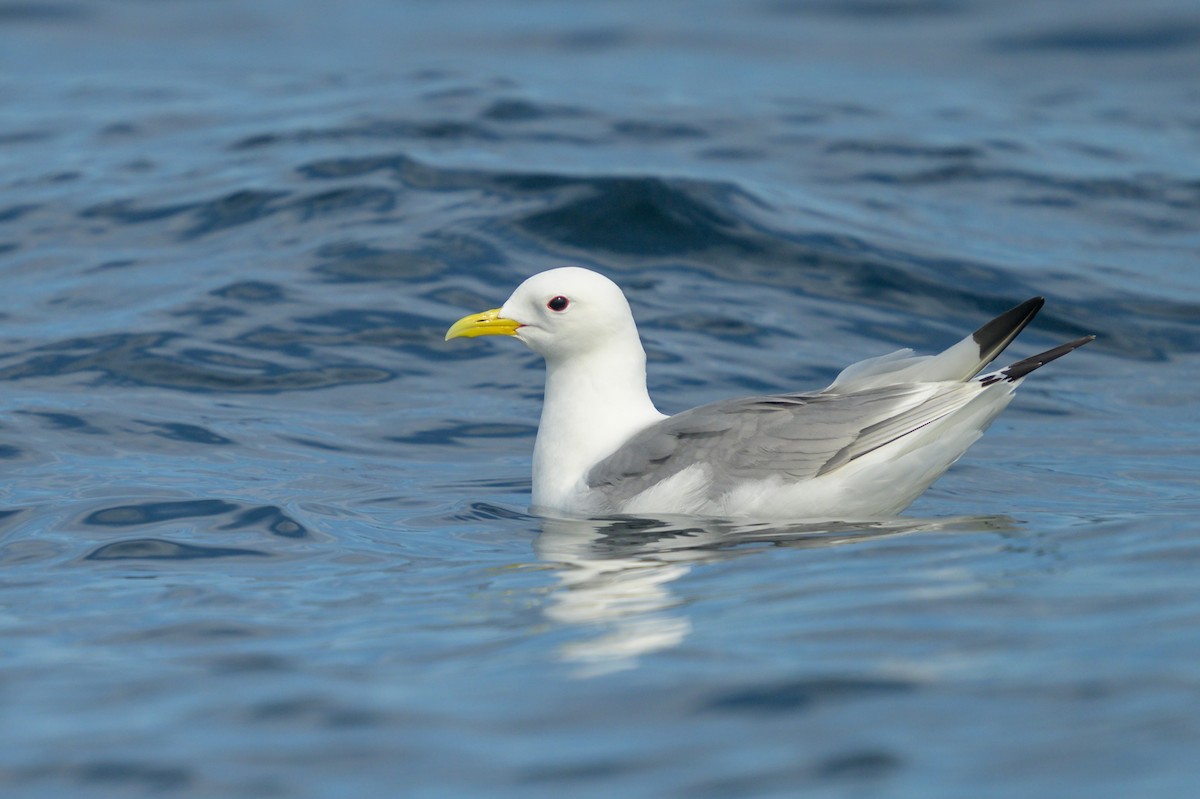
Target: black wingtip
1023,367
997,334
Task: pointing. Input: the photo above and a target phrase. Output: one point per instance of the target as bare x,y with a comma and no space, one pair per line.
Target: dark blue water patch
122,130
458,90
514,484
250,663
123,777
726,327
459,433
128,212
463,252
418,335
187,433
255,292
17,137
130,359
650,131
1169,328
860,764
16,13
644,218
420,176
819,264
446,130
435,130
373,199
268,518
115,263
245,207
490,511
574,774
202,633
209,315
849,268
314,712
133,775
902,149
869,10
425,130
163,549
1133,36
364,325
313,443
1165,190
64,421
800,695
232,210
731,154
14,212
520,110
862,768
10,452
260,140
594,39
290,342
403,169
804,114
273,519
224,360
156,512
352,262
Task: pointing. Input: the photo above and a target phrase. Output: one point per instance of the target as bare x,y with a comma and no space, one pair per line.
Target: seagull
863,448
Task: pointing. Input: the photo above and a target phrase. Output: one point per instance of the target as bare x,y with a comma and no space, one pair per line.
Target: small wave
644,217
789,696
383,129
869,10
155,512
269,518
511,109
240,208
132,775
134,359
1103,39
457,433
187,433
162,549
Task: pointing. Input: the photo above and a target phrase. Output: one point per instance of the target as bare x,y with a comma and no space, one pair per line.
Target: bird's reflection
615,574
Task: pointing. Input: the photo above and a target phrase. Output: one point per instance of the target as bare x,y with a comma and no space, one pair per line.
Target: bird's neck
594,403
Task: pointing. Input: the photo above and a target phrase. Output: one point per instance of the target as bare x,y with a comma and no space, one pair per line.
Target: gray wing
798,436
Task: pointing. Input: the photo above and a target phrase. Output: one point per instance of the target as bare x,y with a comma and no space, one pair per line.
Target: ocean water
263,533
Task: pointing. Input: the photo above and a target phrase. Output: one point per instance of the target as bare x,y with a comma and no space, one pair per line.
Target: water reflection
616,573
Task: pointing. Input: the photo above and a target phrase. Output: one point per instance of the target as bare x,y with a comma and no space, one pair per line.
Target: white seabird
863,448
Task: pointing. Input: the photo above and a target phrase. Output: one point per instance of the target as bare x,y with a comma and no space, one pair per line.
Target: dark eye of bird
559,303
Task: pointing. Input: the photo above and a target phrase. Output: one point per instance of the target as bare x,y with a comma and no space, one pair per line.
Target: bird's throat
592,406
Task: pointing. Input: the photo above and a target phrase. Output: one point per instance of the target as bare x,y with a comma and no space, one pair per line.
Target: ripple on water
160,549
239,517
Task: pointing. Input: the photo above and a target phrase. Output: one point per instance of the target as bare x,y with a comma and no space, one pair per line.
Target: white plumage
865,447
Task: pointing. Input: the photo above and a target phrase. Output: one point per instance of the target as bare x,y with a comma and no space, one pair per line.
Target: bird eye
559,303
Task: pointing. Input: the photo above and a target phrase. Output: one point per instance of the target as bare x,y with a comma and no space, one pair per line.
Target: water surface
264,534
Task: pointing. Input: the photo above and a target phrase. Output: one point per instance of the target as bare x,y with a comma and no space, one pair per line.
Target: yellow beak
488,323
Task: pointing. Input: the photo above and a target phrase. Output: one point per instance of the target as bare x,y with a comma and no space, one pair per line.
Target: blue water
262,533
